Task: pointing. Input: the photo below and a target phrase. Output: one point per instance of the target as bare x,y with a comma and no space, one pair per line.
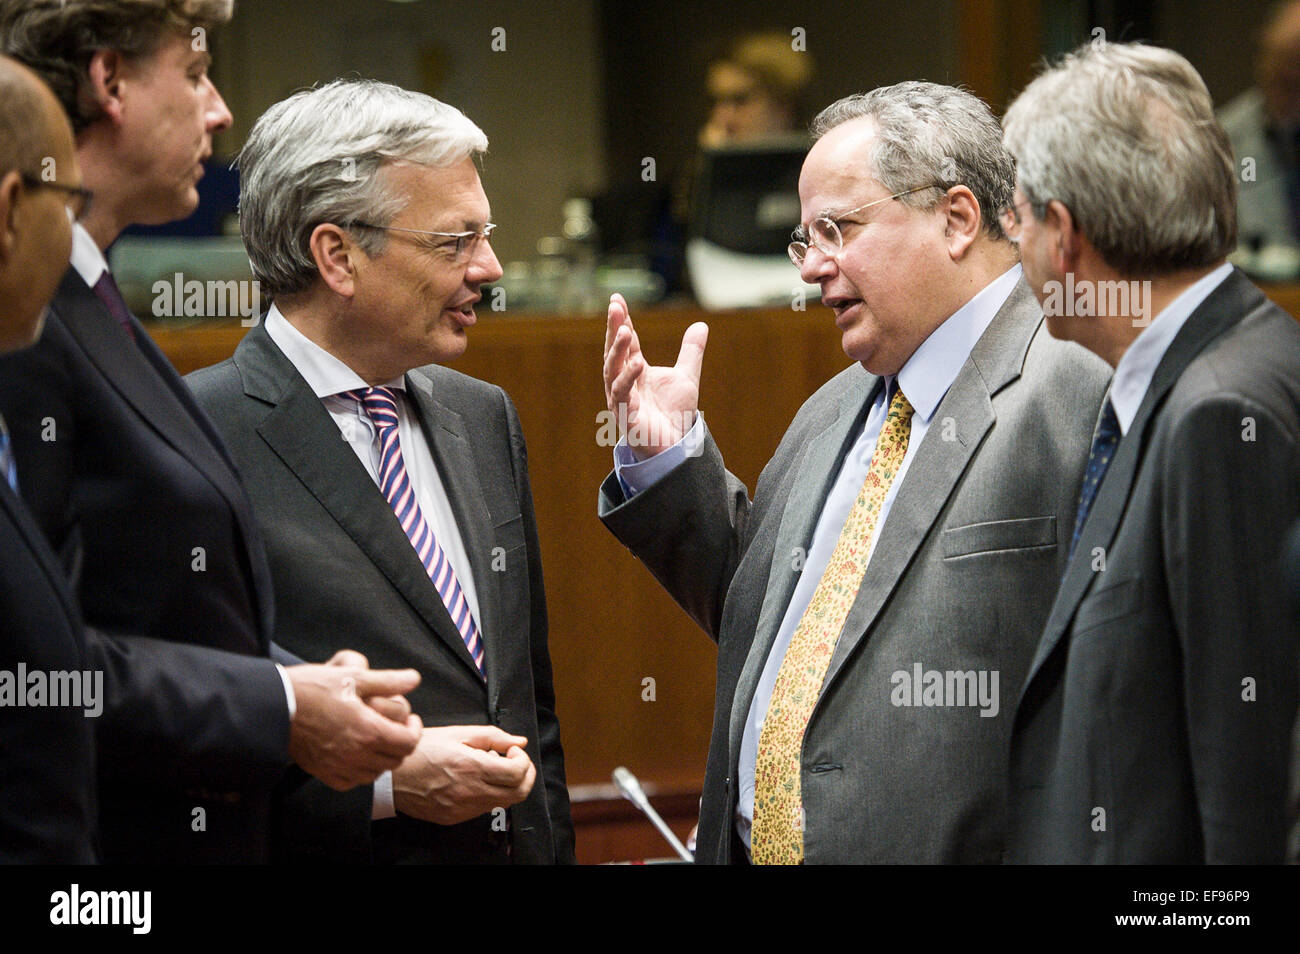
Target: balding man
878,602
47,788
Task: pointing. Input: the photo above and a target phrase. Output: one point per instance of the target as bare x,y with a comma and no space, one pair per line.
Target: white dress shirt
1138,366
924,379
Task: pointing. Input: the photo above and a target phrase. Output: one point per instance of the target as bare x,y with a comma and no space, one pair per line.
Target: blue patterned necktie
1104,441
8,466
381,405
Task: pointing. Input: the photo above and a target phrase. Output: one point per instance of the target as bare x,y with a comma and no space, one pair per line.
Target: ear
1064,234
11,187
336,257
104,92
963,223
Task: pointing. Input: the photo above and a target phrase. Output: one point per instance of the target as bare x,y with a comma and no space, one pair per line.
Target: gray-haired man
877,604
413,536
1155,722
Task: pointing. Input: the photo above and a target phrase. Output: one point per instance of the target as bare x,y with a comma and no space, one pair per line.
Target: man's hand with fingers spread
658,404
340,738
459,772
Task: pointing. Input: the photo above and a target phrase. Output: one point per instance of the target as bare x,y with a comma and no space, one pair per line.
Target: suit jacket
47,753
131,485
1156,718
960,580
346,575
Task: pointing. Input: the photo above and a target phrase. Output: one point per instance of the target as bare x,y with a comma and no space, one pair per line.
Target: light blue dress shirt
924,379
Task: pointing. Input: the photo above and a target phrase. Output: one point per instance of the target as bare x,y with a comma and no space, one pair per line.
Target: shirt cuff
288,692
383,804
635,476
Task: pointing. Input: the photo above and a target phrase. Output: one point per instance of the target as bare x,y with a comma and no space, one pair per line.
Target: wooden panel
612,627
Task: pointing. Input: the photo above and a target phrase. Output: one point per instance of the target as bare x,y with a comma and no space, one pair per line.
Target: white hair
1124,136
928,134
318,157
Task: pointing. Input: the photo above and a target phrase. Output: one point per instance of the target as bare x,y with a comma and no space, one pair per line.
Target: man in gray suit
878,602
393,494
1154,726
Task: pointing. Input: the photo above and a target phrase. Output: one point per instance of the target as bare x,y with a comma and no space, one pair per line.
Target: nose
483,264
216,115
817,266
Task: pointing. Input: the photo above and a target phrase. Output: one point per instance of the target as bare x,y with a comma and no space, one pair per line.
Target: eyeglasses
1010,219
824,231
462,247
78,199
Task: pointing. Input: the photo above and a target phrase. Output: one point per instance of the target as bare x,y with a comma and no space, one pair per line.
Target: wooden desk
611,626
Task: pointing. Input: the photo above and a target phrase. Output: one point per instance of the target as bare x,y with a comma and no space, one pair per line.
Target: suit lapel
453,454
1224,307
302,434
812,476
134,368
994,362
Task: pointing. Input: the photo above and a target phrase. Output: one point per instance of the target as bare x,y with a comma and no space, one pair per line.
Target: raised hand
655,406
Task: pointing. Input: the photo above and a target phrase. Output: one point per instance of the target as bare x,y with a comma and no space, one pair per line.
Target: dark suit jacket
960,580
134,491
346,575
47,753
1156,718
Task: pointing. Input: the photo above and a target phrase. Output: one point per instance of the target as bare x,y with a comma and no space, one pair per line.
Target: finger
500,772
387,739
349,657
616,356
529,779
385,682
491,738
691,358
614,319
620,389
395,708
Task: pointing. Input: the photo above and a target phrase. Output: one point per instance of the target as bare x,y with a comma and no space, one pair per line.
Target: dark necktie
111,296
1104,441
8,466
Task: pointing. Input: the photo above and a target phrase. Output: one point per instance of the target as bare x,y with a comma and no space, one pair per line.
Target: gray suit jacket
1156,719
961,580
346,575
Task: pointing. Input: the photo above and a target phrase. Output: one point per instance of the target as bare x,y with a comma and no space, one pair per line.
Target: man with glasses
412,537
137,495
47,788
878,602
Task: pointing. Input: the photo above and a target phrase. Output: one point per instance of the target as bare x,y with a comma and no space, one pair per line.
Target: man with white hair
876,606
413,537
1155,719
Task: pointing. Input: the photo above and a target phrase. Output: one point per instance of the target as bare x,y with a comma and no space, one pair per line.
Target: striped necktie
777,836
8,466
381,405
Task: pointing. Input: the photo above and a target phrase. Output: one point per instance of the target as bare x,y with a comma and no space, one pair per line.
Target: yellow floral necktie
777,836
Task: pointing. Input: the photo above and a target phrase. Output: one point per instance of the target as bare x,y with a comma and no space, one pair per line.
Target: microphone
631,789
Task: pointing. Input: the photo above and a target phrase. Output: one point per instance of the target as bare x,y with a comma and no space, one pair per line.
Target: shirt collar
930,371
87,259
1138,366
325,374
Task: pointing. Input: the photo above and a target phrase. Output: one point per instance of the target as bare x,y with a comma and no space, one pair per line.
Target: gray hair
1124,136
928,134
318,157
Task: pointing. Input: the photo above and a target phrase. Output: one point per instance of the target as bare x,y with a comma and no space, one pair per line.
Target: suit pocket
509,533
1111,602
999,535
